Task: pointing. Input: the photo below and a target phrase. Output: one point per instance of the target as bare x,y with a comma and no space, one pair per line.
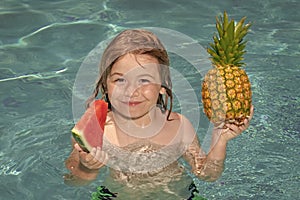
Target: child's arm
84,167
210,167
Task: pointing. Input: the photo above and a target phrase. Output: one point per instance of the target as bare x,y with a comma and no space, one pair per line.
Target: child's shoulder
181,120
178,117
175,116
185,124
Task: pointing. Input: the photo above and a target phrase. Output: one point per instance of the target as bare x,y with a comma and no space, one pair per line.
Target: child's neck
145,126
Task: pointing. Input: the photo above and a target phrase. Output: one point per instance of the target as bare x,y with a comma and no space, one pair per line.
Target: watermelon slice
88,132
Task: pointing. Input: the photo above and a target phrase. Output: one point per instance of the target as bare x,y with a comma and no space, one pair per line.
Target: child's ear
162,90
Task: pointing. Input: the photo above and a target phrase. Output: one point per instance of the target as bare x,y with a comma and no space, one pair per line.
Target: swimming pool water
43,43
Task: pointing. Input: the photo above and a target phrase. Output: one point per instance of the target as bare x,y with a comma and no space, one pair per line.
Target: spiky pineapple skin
226,95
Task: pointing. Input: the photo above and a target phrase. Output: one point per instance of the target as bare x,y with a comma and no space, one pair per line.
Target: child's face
134,85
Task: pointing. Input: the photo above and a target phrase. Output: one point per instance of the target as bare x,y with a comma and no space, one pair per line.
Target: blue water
42,46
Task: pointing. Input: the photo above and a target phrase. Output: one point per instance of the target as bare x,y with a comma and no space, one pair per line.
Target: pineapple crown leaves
228,47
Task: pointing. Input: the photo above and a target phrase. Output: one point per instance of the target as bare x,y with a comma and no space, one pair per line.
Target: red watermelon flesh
88,132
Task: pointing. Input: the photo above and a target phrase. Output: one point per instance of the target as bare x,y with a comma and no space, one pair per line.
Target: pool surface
43,44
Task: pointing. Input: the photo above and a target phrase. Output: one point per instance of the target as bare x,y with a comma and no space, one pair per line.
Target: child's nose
131,90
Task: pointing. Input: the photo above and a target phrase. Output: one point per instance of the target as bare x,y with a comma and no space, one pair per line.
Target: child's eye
120,80
144,81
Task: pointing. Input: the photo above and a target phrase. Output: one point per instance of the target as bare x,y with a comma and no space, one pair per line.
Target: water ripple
42,75
9,168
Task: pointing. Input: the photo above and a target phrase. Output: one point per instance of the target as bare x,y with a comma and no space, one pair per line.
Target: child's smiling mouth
132,103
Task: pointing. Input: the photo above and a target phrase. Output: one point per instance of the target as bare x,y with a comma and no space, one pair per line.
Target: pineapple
226,89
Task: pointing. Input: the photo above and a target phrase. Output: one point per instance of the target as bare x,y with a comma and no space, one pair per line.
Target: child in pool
143,138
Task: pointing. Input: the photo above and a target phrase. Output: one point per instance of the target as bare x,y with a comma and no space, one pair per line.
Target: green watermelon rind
81,141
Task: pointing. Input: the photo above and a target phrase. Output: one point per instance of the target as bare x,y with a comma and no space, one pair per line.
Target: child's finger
93,160
97,161
99,154
76,146
234,128
91,155
97,165
105,157
83,155
251,112
93,151
96,154
100,159
89,161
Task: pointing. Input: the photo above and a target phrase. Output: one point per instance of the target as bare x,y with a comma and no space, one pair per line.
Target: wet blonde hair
137,42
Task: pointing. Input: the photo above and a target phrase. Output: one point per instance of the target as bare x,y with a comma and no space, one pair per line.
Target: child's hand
234,130
93,160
